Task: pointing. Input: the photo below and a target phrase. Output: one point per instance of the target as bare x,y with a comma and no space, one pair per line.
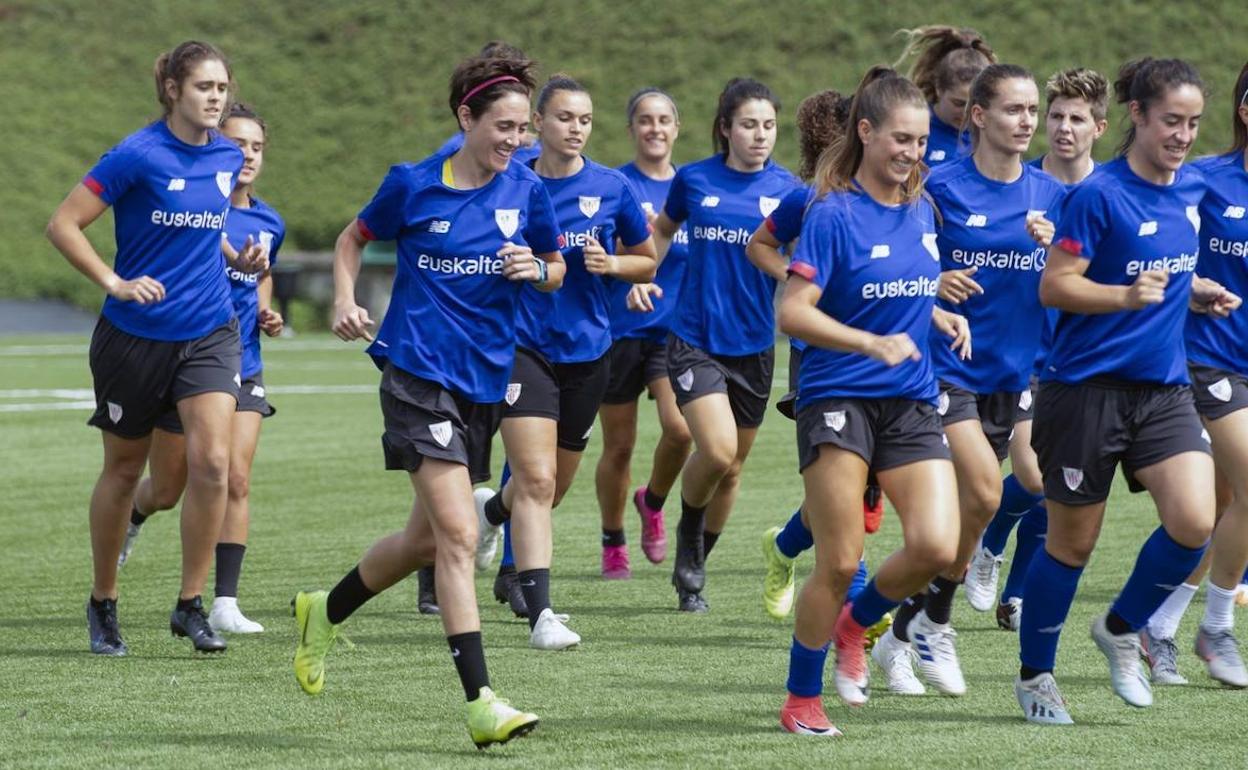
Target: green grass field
649,686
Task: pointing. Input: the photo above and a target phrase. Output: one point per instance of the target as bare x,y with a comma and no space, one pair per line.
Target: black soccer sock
905,613
612,538
709,539
495,512
535,585
137,518
1027,672
469,657
1116,625
185,604
229,567
691,521
348,596
653,502
940,599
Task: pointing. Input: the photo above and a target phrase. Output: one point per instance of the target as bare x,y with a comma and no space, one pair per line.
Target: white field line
76,349
82,398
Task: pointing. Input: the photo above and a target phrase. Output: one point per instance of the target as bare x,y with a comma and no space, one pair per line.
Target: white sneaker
1010,614
1162,656
1220,652
550,633
488,535
938,660
1125,674
1041,701
132,534
896,659
228,618
981,579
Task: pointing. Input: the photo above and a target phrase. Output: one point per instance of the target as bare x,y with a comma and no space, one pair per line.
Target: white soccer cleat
896,659
1123,653
488,535
550,633
1220,652
228,618
938,660
1042,702
1010,614
132,534
1162,656
981,579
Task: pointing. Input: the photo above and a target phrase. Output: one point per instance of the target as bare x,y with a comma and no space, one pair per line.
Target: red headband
492,81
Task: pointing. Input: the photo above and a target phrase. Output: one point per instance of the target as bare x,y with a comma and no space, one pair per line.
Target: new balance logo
1232,212
977,220
879,251
1147,228
710,201
440,226
178,185
936,155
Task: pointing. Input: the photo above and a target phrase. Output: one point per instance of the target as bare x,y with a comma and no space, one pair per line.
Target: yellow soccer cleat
316,636
778,587
876,631
492,720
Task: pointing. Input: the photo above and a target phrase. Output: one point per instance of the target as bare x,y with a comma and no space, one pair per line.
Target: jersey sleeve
541,229
818,247
630,221
677,205
785,223
115,173
279,237
383,217
1082,222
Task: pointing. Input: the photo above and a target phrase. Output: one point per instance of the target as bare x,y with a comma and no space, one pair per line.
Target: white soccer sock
1165,621
1219,609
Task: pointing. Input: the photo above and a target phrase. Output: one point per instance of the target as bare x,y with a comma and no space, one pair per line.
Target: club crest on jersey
1221,390
880,251
835,420
1024,400
114,412
513,393
176,185
767,205
225,183
1193,216
441,432
1147,228
929,243
508,220
1073,477
936,155
589,205
685,380
942,404
1232,212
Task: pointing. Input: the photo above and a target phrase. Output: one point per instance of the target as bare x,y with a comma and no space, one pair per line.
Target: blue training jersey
945,143
263,225
879,269
1222,342
653,326
170,200
1124,225
521,155
726,304
984,225
452,314
785,224
573,324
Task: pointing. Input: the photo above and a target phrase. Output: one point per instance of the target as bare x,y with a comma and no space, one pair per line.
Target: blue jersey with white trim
785,224
265,227
1222,342
945,143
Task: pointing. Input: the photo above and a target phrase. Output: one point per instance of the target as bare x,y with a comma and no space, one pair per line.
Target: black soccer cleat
688,601
426,592
102,628
507,591
689,572
192,623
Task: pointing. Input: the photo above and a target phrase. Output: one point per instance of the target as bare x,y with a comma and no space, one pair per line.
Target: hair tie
492,81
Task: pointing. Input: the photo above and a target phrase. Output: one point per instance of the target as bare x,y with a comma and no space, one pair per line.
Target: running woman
251,295
1217,356
560,372
862,294
472,228
1115,386
167,335
1077,103
720,354
947,60
528,150
638,357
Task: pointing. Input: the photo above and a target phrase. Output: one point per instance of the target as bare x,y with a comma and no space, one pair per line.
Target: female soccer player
562,339
948,59
1217,357
638,357
250,293
1077,102
472,229
1114,388
992,212
862,295
720,353
167,335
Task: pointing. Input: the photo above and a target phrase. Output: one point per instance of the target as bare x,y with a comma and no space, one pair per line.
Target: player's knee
240,484
983,497
932,557
209,466
616,452
459,539
164,496
840,573
676,434
1191,532
536,483
1030,479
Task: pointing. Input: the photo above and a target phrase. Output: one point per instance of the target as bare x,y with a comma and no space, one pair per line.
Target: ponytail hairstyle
735,93
1239,131
821,120
634,101
244,111
557,82
984,89
480,81
947,57
176,65
1080,83
881,91
1146,80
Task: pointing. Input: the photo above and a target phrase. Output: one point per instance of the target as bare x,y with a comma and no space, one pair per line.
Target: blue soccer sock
1015,502
1161,565
795,537
858,583
806,670
871,605
504,476
509,559
1032,531
1048,592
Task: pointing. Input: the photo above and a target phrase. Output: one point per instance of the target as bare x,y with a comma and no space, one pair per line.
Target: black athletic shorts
1081,433
251,398
746,379
1027,401
995,412
570,394
138,379
1217,392
787,405
423,419
632,365
886,432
